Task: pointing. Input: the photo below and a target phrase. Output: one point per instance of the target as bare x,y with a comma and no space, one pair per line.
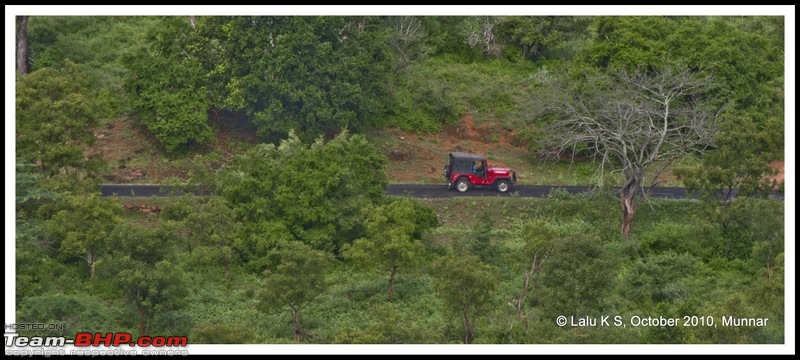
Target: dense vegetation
299,243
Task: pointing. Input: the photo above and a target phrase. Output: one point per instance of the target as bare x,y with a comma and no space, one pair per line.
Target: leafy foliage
466,286
57,111
31,190
481,242
393,237
209,234
574,280
295,279
313,75
312,193
738,167
285,208
100,44
167,87
76,313
661,278
152,288
83,226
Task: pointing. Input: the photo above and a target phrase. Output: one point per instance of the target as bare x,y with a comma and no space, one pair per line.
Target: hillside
133,155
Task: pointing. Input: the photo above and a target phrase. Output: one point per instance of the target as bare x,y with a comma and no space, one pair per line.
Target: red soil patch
778,165
419,158
133,155
130,152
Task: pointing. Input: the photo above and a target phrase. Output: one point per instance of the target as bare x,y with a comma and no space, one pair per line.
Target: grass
134,156
420,161
354,309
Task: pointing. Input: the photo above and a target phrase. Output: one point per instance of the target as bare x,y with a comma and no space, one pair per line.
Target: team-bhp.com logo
53,345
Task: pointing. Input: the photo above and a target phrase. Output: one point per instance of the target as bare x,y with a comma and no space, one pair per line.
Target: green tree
769,291
732,175
739,166
538,37
745,54
767,230
57,111
77,312
312,74
296,278
31,190
576,277
628,41
393,238
480,241
528,255
391,324
83,226
661,278
142,271
209,233
38,271
167,86
98,43
313,193
152,288
465,285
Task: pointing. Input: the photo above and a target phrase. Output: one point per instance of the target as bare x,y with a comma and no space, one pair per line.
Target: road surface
408,190
411,190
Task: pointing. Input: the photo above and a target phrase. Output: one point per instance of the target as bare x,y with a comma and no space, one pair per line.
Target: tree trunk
628,210
524,291
536,288
391,281
91,260
724,225
192,22
627,195
296,320
142,321
467,327
22,44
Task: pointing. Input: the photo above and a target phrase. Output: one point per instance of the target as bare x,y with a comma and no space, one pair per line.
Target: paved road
419,191
409,190
440,191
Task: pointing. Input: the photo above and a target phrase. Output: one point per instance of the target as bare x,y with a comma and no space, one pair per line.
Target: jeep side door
482,174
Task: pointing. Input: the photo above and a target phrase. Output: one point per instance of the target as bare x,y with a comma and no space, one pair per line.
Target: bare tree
481,30
22,44
408,30
630,121
539,256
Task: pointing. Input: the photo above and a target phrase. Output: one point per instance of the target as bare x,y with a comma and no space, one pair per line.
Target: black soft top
462,162
466,156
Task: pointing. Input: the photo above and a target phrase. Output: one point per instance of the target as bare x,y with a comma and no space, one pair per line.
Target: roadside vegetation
296,125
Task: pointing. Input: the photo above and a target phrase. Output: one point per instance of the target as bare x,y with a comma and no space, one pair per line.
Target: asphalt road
408,190
540,191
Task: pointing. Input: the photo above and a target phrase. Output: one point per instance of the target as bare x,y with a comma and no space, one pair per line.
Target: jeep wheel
503,186
462,185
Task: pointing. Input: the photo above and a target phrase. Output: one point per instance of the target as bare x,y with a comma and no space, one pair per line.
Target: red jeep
466,170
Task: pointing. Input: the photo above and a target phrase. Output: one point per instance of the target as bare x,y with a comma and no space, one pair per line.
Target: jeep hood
499,169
